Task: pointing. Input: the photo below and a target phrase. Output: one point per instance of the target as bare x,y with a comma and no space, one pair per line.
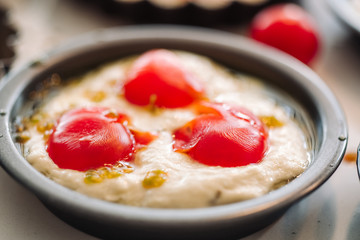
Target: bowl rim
334,134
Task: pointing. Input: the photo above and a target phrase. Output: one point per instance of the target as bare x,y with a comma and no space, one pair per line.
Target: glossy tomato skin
289,28
225,136
158,78
88,138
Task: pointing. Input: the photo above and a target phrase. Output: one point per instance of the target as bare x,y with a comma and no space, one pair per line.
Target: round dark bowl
109,220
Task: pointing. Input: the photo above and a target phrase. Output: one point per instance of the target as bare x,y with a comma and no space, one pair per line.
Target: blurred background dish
190,12
348,11
7,34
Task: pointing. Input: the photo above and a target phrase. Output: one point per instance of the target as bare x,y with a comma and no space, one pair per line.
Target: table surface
331,212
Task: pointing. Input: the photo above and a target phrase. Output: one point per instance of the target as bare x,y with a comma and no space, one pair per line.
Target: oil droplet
22,138
107,172
271,121
154,178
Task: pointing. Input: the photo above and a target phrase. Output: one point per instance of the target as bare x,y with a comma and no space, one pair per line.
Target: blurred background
30,28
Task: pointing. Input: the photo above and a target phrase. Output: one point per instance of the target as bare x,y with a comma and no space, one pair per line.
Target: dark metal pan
114,221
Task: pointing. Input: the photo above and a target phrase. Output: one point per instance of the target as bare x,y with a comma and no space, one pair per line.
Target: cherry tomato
289,28
158,78
222,135
89,138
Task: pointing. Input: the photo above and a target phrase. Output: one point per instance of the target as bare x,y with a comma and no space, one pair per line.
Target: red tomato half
289,28
89,138
157,77
222,136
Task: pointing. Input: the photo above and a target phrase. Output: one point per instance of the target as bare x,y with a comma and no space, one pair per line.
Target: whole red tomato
157,77
89,138
289,28
222,135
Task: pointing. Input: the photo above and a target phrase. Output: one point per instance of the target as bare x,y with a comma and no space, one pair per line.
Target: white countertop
332,212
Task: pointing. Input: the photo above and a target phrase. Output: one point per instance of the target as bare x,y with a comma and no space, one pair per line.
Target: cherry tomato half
89,138
289,28
157,77
222,135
